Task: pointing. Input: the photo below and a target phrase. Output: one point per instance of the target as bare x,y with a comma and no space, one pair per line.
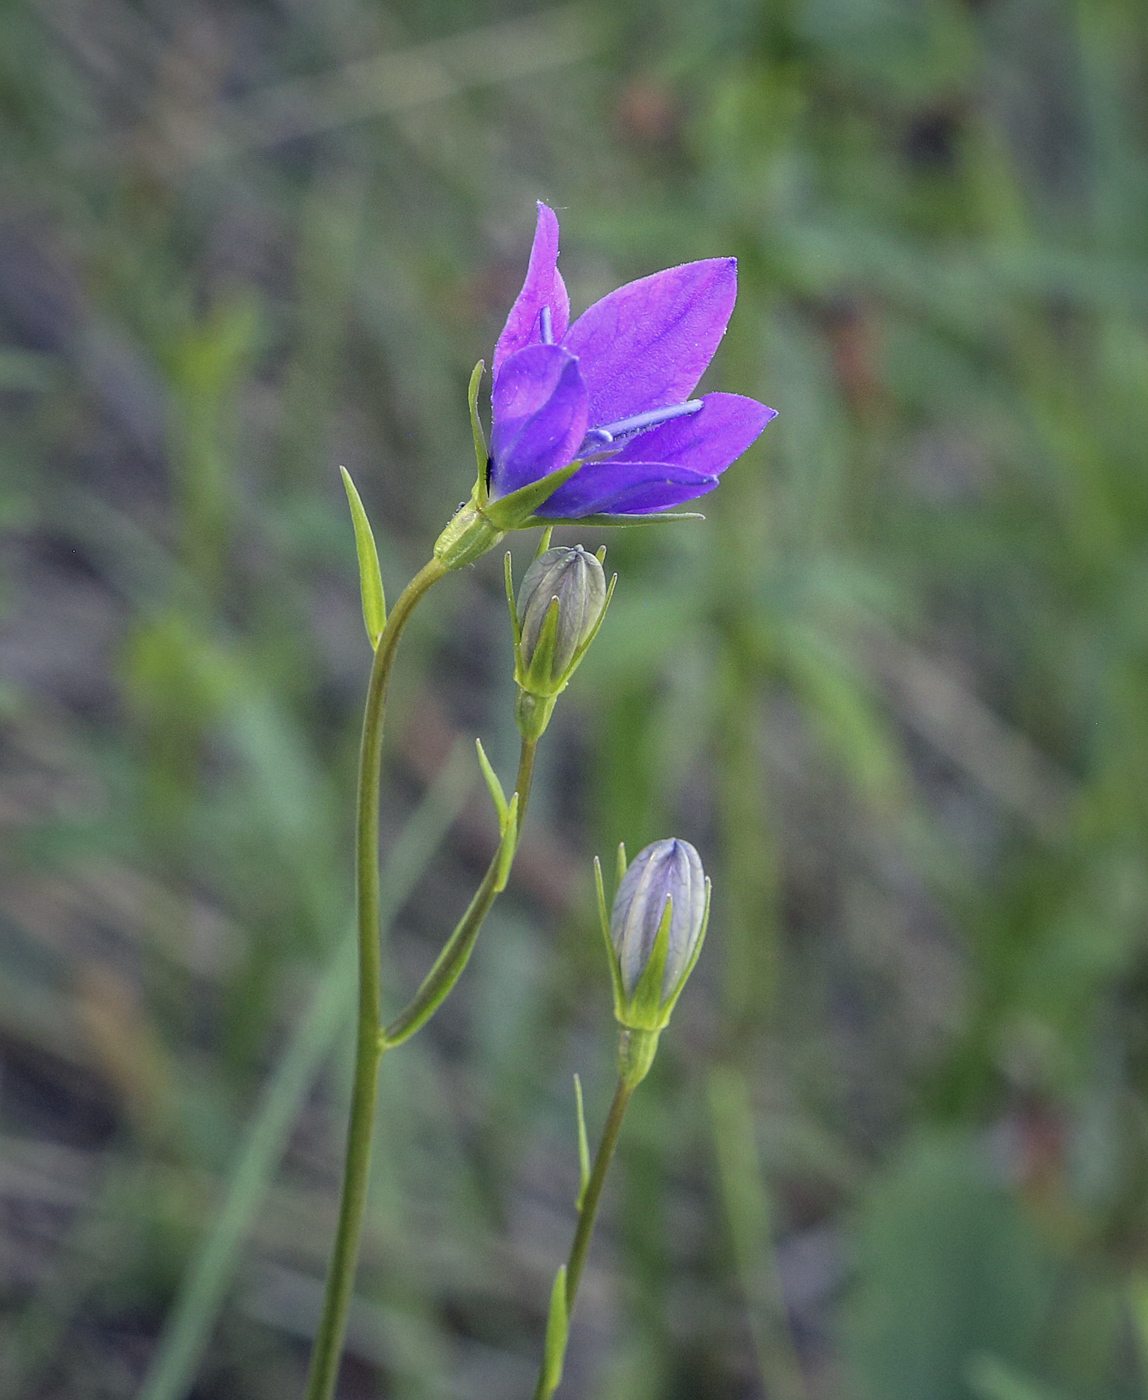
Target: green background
894,688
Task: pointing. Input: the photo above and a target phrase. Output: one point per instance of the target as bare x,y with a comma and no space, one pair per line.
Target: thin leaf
583,1143
557,1328
493,785
508,846
370,579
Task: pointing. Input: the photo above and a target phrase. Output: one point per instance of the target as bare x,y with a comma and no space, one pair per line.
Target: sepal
516,510
644,1009
672,1000
481,452
604,920
538,676
508,576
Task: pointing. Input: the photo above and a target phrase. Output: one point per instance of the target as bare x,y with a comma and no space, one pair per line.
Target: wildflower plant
591,422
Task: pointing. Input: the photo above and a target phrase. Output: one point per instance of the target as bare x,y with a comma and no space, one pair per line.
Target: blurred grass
895,689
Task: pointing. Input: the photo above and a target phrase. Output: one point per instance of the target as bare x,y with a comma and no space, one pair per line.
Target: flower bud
656,930
573,580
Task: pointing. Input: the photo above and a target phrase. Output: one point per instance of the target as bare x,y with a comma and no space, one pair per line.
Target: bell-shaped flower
602,408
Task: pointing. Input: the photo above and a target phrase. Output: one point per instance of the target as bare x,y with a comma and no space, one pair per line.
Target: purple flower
612,391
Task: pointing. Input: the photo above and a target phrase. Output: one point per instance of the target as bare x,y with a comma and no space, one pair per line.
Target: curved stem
458,948
352,1200
588,1209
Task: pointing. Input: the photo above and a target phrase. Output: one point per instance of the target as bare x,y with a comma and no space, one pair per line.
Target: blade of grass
745,1194
187,1330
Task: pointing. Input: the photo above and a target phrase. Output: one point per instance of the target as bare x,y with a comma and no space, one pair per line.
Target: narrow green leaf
544,541
622,863
492,783
370,579
583,1144
557,1328
508,846
450,964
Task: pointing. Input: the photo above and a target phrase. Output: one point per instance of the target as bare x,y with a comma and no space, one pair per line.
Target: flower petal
539,416
543,287
645,345
708,441
625,488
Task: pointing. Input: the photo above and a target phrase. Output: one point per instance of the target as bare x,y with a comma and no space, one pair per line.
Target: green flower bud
655,931
573,580
560,607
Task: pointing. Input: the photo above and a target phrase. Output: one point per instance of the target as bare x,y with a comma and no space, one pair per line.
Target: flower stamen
598,440
627,427
546,326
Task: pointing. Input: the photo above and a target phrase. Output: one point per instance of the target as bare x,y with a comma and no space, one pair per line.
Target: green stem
341,1273
525,775
588,1208
457,950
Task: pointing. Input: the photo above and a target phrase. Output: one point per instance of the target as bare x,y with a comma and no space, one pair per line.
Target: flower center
600,440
